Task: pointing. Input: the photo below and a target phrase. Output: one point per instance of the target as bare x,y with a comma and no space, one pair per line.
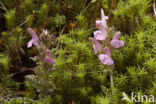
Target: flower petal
107,51
30,43
122,43
115,42
36,44
33,34
116,36
104,18
96,45
106,60
49,60
98,35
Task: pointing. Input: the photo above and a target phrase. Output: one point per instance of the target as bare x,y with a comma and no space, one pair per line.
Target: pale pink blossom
34,40
99,35
96,45
48,58
106,58
115,42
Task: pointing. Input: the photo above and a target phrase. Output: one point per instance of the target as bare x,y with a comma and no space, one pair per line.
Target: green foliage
60,20
100,100
4,63
10,18
129,15
7,84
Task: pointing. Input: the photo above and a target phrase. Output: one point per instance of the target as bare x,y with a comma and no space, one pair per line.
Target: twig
59,6
19,26
111,8
62,30
137,22
22,71
3,6
111,79
154,9
22,23
15,92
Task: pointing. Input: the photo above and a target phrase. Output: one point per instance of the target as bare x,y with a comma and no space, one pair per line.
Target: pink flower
99,35
96,45
115,42
48,59
106,58
34,40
